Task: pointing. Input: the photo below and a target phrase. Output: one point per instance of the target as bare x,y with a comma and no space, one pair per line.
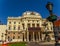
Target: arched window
33,25
28,25
37,25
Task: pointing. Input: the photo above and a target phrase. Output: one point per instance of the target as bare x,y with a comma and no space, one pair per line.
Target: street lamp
52,18
49,6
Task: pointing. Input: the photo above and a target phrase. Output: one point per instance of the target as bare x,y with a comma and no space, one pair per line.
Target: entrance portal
34,37
30,36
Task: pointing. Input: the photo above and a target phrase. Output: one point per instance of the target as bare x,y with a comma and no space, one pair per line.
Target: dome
30,13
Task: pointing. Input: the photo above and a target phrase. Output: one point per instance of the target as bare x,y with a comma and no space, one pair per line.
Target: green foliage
17,44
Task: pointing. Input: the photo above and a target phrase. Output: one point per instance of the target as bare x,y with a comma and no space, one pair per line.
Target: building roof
57,23
27,14
31,14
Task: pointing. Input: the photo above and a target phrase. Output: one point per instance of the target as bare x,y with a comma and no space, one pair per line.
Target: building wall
57,28
28,19
14,36
25,19
2,32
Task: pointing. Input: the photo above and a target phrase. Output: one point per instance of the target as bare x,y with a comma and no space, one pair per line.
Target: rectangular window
18,37
18,32
47,28
8,32
14,22
23,26
8,37
13,32
19,22
37,20
14,28
28,20
9,22
32,20
18,27
51,28
28,25
9,27
13,37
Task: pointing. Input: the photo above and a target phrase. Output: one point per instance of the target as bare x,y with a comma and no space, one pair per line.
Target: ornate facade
28,27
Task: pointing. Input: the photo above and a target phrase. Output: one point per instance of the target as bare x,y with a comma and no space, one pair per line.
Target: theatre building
28,27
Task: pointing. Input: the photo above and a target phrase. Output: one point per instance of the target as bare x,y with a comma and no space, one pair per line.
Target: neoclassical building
28,27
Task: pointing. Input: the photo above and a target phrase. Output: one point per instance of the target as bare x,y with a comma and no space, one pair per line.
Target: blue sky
15,8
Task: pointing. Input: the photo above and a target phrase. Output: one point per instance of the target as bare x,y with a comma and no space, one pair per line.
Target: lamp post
52,18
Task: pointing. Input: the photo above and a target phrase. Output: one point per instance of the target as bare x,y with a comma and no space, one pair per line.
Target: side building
28,27
57,28
2,32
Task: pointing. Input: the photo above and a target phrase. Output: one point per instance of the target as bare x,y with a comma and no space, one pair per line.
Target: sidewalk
47,43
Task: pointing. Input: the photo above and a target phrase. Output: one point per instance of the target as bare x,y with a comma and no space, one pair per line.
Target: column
35,25
24,37
39,35
27,36
33,37
31,25
36,36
